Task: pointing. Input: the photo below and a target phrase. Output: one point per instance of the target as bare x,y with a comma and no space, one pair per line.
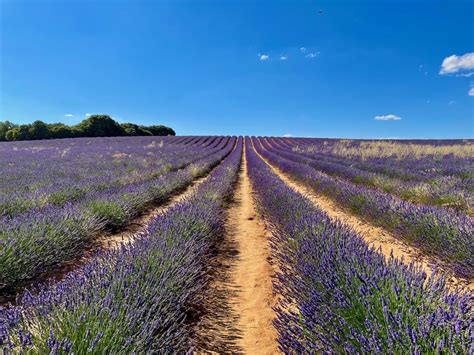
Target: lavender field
210,243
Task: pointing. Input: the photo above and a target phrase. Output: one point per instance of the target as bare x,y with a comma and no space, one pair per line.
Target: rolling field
256,245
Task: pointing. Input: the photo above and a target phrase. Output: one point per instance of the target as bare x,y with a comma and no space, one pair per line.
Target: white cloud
68,115
466,75
471,91
454,63
312,55
287,135
303,49
283,57
263,57
87,114
387,118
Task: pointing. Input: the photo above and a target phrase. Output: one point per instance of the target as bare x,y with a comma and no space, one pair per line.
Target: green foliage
59,130
39,130
112,213
4,128
100,126
161,130
93,126
131,129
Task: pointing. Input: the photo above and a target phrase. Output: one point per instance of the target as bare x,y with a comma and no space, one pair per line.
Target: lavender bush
446,191
339,296
36,240
447,235
137,299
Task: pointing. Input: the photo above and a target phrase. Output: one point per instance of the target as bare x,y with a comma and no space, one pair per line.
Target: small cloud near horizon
87,114
454,63
263,57
287,135
68,115
387,118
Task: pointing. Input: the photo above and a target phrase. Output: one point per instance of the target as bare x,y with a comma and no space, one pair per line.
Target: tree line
93,126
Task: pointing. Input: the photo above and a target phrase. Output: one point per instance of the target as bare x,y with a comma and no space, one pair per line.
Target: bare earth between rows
377,237
241,295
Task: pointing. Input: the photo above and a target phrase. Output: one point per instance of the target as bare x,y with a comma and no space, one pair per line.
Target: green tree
4,128
94,126
60,130
39,130
19,133
159,130
131,129
100,126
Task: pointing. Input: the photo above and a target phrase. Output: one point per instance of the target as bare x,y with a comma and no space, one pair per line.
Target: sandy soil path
373,235
140,224
241,314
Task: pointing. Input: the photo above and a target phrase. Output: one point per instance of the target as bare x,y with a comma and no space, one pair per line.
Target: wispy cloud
287,135
312,55
283,57
87,114
471,91
465,75
263,57
303,49
452,102
387,118
68,115
454,63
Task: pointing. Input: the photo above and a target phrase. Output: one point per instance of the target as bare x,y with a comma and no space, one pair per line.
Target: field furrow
383,240
106,241
444,235
241,297
60,234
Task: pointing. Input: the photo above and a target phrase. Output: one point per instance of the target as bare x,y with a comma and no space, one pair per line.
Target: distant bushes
93,126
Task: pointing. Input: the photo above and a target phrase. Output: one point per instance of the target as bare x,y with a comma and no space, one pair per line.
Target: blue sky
243,67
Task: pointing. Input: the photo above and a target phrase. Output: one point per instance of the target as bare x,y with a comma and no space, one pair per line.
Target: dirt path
140,224
374,236
242,291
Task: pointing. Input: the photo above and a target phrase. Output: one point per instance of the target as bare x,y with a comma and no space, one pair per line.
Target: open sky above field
358,69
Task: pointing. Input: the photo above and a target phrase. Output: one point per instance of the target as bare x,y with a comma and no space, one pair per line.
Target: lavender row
66,172
457,172
407,168
138,299
339,296
34,242
443,191
447,235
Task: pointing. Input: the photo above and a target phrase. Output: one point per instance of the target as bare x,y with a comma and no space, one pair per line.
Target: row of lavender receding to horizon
139,298
72,214
436,231
424,174
340,296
